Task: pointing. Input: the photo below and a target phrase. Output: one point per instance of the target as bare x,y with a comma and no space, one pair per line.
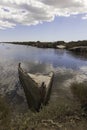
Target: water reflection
59,52
79,55
26,54
34,60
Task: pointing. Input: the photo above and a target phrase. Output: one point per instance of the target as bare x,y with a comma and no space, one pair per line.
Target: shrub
79,91
4,114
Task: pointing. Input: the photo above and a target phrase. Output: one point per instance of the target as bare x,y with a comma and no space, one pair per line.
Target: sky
43,20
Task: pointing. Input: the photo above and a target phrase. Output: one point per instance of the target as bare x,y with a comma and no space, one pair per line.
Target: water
67,67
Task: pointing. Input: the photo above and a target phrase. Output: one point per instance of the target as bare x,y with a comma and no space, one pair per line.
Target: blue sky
55,22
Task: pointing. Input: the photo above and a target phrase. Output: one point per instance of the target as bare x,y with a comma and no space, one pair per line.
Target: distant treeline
39,44
76,44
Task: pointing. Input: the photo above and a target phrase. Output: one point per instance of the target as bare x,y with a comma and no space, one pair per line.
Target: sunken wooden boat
37,88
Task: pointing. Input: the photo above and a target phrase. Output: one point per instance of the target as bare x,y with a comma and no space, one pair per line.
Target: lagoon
67,67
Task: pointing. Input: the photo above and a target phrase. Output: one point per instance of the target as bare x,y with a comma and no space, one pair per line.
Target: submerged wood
37,88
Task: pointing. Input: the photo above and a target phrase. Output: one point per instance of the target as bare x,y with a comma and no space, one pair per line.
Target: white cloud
6,24
32,12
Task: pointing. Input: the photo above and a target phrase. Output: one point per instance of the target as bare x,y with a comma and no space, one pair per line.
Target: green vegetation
76,44
52,44
39,44
80,92
53,116
60,114
4,114
36,44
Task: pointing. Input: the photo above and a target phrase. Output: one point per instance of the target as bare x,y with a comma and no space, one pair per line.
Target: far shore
72,46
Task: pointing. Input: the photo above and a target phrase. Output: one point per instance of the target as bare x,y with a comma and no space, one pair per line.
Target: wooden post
19,65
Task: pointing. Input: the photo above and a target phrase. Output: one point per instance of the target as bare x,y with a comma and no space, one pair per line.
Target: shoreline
55,45
64,112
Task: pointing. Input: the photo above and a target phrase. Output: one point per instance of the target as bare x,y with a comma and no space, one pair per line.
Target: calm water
67,68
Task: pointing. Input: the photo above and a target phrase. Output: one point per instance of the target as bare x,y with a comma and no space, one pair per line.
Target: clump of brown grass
79,91
4,114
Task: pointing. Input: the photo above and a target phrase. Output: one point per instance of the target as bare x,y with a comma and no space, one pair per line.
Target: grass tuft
79,91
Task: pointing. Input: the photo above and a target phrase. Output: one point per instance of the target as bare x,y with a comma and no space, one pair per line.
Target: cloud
32,12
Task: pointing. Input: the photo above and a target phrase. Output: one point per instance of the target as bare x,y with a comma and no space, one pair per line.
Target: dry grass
79,91
61,114
4,114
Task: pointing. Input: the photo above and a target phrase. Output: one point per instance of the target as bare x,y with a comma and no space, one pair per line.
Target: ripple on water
66,67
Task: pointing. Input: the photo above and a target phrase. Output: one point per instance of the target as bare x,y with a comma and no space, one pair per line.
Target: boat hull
36,96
